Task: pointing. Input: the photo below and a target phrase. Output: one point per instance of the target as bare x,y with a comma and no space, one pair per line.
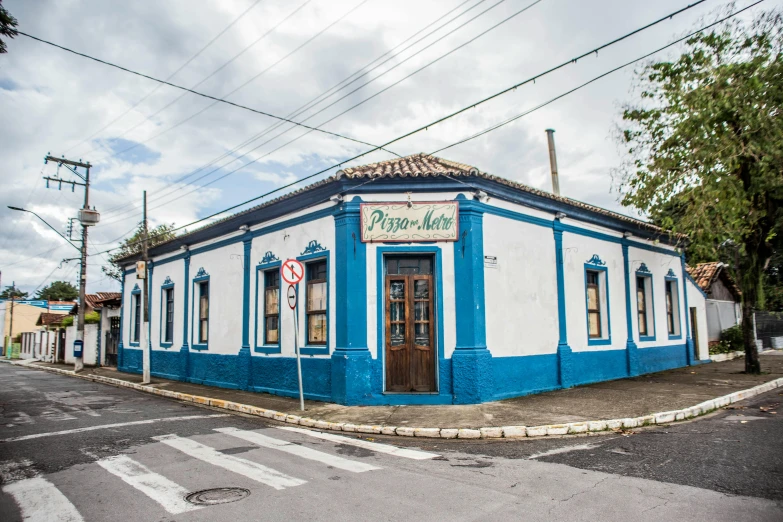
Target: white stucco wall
90,343
697,300
658,265
577,250
521,292
289,244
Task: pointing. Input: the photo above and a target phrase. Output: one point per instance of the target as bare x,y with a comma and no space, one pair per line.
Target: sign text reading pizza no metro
437,221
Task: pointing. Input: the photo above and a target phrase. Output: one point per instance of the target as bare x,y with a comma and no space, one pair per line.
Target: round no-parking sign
292,271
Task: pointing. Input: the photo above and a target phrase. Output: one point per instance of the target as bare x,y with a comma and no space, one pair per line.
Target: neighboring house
26,315
425,281
723,297
102,338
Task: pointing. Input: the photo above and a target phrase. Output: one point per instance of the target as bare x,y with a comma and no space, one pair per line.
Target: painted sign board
292,271
410,221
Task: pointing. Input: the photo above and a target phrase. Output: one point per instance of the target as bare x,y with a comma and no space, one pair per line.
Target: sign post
292,271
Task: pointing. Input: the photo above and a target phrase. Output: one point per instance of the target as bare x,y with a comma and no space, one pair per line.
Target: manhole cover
208,497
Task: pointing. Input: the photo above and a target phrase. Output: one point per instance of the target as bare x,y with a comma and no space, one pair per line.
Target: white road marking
168,494
247,468
56,414
40,501
372,446
299,451
115,425
567,449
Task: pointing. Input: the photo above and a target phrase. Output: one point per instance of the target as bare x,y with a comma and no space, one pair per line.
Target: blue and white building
426,282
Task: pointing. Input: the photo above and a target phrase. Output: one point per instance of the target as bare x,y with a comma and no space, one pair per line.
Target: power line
448,116
590,81
181,122
213,73
317,99
164,82
187,62
353,91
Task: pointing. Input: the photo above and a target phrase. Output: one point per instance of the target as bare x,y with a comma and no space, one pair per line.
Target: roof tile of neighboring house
95,301
423,165
706,273
47,319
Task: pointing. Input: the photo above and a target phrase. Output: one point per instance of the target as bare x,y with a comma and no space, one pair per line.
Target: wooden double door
410,324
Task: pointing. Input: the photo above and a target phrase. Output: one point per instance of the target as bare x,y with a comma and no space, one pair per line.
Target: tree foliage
7,25
133,244
705,146
58,291
14,292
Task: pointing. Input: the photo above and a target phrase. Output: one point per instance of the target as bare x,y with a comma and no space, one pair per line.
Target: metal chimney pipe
550,137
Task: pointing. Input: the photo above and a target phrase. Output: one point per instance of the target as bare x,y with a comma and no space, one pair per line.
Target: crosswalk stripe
372,446
40,501
168,494
247,468
299,451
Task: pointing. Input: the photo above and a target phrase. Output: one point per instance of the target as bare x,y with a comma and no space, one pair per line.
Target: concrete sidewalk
626,399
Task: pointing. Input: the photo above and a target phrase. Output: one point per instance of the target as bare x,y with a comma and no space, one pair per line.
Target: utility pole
87,218
145,344
10,350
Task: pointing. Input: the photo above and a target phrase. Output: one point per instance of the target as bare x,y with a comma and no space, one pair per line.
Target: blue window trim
135,292
267,348
603,341
316,349
201,277
380,253
675,295
167,285
644,272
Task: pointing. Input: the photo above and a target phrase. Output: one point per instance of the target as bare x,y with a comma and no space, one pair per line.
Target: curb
491,432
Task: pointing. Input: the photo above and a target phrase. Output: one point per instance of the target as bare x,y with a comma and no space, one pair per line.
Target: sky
195,157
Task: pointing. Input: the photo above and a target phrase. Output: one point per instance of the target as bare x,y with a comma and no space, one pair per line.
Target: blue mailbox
78,345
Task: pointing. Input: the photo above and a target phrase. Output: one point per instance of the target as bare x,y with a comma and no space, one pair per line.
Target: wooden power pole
145,347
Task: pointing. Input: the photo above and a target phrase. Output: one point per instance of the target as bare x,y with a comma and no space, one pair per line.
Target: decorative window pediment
269,257
313,247
643,268
595,260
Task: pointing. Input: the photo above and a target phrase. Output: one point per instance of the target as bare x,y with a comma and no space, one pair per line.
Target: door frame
381,252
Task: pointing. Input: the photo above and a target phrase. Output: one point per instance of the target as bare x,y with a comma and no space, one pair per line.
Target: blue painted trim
247,243
167,284
595,260
136,291
121,344
643,271
316,349
561,303
201,277
260,269
671,277
380,253
590,266
469,278
148,283
185,301
690,347
313,247
631,350
269,257
510,214
350,256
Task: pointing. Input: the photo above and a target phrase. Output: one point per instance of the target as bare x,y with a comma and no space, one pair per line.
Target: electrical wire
187,62
446,117
324,95
495,26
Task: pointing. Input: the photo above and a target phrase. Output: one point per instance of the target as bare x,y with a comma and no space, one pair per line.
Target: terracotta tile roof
706,273
47,319
424,165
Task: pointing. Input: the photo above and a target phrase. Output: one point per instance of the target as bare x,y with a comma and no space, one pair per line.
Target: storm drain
210,497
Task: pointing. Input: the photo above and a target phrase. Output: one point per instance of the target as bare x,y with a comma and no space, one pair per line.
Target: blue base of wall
507,377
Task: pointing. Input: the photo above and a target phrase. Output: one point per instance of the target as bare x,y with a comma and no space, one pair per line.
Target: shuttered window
593,305
203,312
272,307
316,303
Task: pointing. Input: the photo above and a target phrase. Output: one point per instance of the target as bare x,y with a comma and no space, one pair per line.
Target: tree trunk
752,364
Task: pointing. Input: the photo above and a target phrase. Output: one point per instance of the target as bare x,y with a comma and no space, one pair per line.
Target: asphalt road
75,450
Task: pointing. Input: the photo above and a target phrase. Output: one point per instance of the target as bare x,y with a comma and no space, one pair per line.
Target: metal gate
112,340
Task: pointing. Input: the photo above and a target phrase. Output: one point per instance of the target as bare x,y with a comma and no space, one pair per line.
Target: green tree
7,24
132,245
58,291
706,141
12,291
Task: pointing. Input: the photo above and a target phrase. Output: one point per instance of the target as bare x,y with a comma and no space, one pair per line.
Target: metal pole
296,348
145,344
78,364
9,350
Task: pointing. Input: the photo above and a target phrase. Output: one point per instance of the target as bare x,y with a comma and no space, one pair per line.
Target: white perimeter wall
90,346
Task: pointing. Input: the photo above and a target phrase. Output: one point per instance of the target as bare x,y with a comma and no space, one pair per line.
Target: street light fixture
45,223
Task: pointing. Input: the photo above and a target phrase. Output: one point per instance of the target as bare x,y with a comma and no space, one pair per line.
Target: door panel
410,346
